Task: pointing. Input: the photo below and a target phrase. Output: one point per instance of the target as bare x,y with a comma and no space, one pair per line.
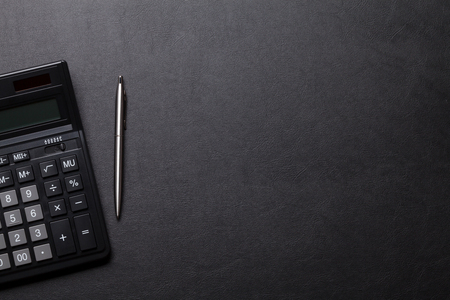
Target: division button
48,169
42,252
53,188
4,262
62,237
85,232
6,179
21,156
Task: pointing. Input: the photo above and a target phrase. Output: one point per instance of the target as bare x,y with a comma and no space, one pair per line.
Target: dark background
275,149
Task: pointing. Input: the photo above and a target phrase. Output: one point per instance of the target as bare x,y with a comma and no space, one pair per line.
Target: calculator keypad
39,225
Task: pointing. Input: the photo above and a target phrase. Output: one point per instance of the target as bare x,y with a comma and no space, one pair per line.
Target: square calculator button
42,252
13,218
33,213
57,208
17,237
48,168
73,183
53,188
4,160
25,174
38,232
29,193
78,202
22,257
6,179
8,198
69,163
4,262
2,242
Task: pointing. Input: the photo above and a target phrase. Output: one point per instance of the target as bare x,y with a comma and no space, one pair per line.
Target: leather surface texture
274,149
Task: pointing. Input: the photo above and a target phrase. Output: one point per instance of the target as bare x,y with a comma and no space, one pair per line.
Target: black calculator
50,212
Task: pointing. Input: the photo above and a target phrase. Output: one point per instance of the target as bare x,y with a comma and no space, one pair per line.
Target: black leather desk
275,149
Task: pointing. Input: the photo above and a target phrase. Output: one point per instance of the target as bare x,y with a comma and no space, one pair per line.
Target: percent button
73,183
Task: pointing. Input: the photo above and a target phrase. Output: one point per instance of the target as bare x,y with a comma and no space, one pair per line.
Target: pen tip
120,79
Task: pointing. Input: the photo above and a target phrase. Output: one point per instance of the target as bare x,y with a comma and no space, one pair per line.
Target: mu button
69,163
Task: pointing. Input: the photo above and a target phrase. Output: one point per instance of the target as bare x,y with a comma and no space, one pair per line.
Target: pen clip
125,104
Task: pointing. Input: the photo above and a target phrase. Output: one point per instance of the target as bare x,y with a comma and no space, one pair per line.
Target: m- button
69,163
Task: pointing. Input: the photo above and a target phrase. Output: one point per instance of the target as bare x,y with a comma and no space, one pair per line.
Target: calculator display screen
29,114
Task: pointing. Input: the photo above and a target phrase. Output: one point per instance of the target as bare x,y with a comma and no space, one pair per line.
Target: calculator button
42,252
21,156
78,202
62,236
85,232
8,198
4,160
73,183
57,208
6,179
22,257
69,163
17,237
13,218
25,174
4,262
48,169
33,213
29,193
53,188
2,242
38,232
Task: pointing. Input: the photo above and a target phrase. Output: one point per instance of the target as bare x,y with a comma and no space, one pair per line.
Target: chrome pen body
118,148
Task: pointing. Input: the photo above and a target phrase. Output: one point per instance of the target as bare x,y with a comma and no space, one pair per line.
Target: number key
38,232
4,262
13,218
22,257
33,213
17,237
29,193
8,198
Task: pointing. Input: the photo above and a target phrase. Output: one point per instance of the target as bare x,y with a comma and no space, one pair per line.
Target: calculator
50,212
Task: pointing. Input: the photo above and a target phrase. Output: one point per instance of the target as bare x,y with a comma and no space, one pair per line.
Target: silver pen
118,149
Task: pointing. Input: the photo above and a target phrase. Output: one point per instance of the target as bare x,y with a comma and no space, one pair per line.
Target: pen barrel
118,149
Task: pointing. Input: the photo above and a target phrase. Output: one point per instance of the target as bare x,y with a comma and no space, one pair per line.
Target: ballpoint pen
118,149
